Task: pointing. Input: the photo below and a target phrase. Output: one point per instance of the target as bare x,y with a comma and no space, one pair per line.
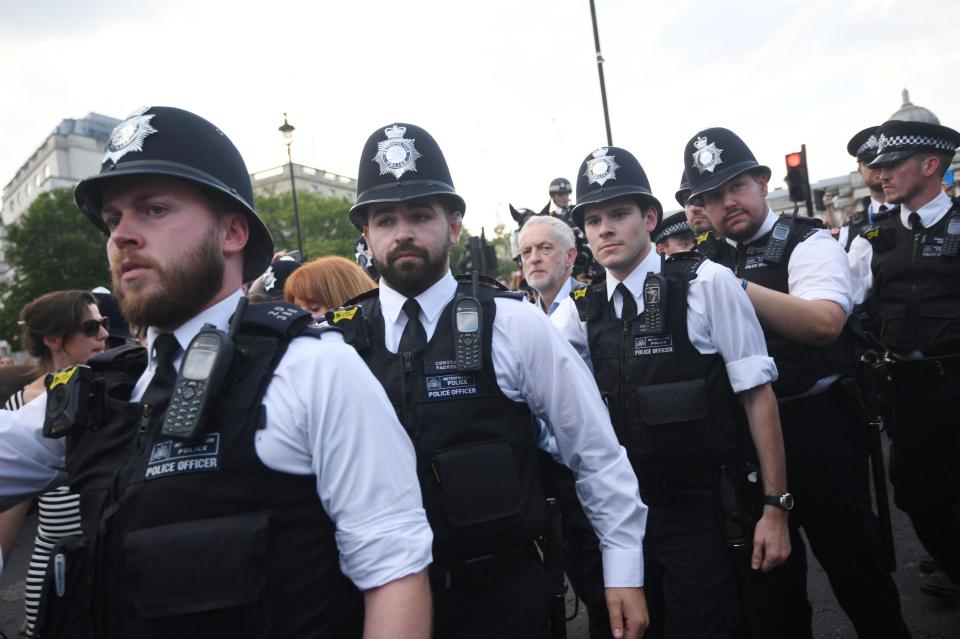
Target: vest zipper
407,393
915,314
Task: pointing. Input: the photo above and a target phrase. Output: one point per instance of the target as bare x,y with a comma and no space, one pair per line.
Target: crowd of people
239,443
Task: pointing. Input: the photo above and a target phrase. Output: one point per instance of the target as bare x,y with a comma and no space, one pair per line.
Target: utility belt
926,369
480,571
834,395
686,490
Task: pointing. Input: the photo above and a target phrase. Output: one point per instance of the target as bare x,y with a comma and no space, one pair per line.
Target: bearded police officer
709,244
259,512
908,262
798,281
465,365
863,146
674,345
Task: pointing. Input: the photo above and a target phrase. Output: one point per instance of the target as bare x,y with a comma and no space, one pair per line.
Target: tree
323,221
52,247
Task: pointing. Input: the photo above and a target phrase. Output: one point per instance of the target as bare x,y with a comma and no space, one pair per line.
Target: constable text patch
932,246
652,345
444,382
175,458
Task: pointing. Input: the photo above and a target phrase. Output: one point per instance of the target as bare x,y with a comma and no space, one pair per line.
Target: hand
771,540
628,612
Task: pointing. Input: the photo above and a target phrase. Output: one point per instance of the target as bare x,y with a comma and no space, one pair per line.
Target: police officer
673,235
465,366
908,262
662,337
269,286
295,492
709,243
560,205
797,279
863,146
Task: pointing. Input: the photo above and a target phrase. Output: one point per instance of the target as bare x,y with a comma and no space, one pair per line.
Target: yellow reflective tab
344,314
61,377
872,233
580,292
703,237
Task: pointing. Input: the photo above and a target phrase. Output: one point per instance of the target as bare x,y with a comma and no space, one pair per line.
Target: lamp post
287,130
603,86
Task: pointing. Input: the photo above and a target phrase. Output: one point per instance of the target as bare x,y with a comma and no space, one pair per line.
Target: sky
508,88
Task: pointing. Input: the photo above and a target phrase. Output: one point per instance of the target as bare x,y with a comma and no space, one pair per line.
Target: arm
29,462
812,322
860,258
397,610
820,293
771,540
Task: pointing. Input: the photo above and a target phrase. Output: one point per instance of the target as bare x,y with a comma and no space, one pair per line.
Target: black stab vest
858,222
916,288
672,407
476,449
800,366
715,248
197,539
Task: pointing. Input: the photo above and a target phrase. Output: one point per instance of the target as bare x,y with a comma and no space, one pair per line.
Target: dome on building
913,113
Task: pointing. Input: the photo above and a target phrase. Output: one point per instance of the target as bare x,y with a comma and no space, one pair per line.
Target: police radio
777,245
467,320
204,367
653,320
72,401
951,240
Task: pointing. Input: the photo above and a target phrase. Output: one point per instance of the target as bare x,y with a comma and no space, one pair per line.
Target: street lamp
287,130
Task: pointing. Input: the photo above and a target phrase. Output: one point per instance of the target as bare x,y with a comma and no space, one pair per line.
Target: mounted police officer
907,263
674,345
467,367
263,494
560,205
797,279
863,146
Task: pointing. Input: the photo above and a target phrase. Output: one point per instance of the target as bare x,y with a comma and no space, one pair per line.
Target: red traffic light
794,160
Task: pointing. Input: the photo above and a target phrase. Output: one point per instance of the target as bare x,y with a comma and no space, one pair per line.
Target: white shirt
345,433
720,319
861,250
533,364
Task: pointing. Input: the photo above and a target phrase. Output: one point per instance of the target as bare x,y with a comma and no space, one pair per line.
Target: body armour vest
916,284
715,248
858,222
476,449
800,366
196,538
672,407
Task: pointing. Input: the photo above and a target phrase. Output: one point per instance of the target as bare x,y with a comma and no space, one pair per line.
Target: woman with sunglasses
59,329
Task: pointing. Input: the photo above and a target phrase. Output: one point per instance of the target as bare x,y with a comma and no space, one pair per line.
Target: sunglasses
91,327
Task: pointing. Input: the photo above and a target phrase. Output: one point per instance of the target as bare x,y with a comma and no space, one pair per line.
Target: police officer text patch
172,457
443,381
652,345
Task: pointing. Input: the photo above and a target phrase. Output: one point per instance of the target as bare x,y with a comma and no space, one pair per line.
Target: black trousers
582,560
513,604
827,472
690,574
925,464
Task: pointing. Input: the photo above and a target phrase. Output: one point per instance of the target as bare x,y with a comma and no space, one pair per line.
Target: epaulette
352,322
589,306
130,358
881,215
276,318
684,261
703,237
362,297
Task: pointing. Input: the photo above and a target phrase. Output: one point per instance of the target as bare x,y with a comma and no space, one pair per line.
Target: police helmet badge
601,168
269,278
396,154
706,157
882,143
129,135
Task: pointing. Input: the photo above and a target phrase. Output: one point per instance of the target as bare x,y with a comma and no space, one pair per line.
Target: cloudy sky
508,88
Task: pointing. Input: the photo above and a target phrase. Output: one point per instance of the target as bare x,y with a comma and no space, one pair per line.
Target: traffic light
798,181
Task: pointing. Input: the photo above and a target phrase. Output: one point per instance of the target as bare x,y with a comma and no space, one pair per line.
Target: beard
412,278
185,287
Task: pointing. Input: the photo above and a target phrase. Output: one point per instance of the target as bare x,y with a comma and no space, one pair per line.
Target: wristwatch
784,501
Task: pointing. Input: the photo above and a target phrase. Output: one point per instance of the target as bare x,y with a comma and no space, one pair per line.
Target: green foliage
324,223
52,247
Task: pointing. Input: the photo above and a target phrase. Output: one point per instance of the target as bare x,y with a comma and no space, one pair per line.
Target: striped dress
59,514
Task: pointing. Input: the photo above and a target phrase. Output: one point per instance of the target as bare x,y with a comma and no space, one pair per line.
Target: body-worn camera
73,401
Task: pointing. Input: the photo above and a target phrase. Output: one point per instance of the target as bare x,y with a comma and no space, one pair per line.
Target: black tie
629,304
914,219
414,336
165,351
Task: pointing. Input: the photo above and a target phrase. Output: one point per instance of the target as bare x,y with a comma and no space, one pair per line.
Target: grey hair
561,231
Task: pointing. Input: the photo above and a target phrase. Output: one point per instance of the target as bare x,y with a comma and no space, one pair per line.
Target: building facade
276,181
